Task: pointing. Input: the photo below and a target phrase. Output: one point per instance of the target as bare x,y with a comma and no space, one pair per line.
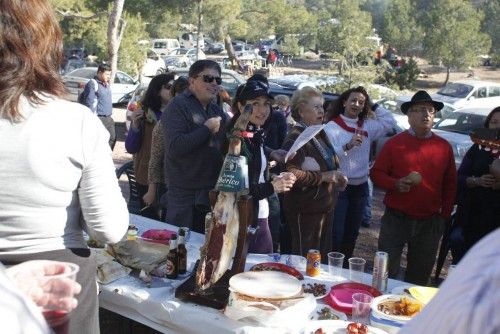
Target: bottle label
170,267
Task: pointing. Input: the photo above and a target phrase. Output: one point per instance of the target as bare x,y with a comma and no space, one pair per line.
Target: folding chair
134,203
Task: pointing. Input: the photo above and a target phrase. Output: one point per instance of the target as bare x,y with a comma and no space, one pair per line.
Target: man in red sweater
417,170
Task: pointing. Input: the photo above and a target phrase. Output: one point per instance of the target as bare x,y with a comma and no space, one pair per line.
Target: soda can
313,263
380,271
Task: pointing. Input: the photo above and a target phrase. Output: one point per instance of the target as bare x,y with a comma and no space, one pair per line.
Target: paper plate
335,327
265,284
316,313
340,297
423,294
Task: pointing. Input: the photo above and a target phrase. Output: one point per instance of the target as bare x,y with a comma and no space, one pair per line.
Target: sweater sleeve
90,95
103,207
179,138
380,172
449,191
384,123
261,190
465,169
155,168
134,139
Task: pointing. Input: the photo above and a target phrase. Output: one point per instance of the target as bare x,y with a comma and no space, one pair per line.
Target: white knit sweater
355,162
56,166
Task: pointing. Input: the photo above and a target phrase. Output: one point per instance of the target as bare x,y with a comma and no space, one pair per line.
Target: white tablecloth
158,308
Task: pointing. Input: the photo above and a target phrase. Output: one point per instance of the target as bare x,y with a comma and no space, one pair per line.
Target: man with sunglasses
194,132
417,170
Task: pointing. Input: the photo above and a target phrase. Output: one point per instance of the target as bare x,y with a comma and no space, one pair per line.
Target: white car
182,57
76,80
153,65
468,93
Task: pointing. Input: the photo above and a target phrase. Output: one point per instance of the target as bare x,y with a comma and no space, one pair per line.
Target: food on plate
415,178
319,331
273,266
326,314
401,307
357,328
317,289
159,235
222,237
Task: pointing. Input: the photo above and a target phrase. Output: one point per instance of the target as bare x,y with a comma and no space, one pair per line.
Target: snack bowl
388,322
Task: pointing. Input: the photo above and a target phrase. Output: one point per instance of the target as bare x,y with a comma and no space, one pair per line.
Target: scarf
348,128
325,149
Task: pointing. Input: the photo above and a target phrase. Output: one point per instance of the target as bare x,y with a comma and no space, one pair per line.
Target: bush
403,77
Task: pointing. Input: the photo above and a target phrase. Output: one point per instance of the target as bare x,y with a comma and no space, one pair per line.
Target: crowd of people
58,179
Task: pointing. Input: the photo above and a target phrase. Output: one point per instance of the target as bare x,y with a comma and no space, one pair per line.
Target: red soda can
313,263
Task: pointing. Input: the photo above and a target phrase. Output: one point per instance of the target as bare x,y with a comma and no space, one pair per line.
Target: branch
250,12
72,15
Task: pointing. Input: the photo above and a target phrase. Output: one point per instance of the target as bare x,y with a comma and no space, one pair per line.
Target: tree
116,27
453,35
345,35
400,28
491,25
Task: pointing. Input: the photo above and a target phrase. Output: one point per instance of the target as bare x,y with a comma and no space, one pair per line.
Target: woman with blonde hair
309,205
57,176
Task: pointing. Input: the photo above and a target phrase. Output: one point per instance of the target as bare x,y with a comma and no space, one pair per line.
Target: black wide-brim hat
419,97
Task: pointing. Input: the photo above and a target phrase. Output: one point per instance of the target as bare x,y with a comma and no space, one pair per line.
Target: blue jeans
347,217
367,216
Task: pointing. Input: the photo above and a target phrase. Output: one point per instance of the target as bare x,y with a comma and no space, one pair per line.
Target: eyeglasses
210,78
423,110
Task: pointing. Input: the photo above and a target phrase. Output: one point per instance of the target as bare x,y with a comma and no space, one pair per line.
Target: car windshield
84,73
456,90
460,122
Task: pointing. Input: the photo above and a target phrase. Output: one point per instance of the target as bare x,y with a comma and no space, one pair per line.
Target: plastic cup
356,269
56,310
335,263
275,257
361,307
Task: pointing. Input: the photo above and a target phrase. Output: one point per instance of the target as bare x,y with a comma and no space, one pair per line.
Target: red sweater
433,159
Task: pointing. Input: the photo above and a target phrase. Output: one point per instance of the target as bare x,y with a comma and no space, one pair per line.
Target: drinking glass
58,287
356,269
335,263
361,307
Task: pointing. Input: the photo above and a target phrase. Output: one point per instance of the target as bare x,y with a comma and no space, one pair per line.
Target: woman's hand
336,177
150,196
283,182
33,279
356,140
136,117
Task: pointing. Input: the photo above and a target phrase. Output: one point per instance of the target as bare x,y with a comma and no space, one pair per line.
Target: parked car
153,65
182,57
76,80
163,46
213,47
468,93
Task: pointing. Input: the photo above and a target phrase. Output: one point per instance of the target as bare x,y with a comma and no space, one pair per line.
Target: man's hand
486,181
213,124
403,185
33,278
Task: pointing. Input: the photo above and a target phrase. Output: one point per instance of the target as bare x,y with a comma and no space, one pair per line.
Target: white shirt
354,164
56,166
263,203
468,300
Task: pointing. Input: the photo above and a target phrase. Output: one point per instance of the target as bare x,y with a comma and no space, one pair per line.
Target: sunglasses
210,78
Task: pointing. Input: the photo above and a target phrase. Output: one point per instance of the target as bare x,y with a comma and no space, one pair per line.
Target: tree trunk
200,19
229,48
115,32
447,75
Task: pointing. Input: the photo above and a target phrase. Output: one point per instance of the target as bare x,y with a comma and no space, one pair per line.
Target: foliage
399,27
401,78
491,25
131,55
453,34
